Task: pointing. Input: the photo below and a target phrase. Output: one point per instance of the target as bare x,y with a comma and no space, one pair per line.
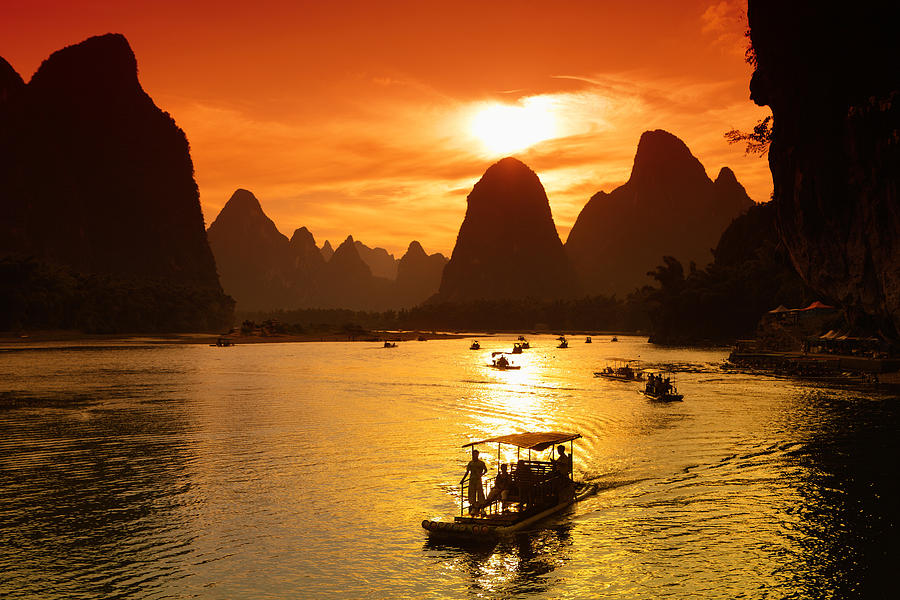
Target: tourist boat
521,338
587,340
614,339
620,370
390,345
526,345
563,344
223,342
517,348
475,346
534,490
661,387
502,362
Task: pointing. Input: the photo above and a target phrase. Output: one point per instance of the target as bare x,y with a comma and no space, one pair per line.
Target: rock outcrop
508,246
418,275
669,206
829,74
96,179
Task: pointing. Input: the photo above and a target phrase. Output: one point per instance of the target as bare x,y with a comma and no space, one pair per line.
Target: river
303,470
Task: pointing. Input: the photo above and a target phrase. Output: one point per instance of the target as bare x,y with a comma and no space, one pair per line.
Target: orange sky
356,117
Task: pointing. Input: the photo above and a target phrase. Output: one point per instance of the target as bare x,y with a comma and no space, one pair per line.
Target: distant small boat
422,338
563,344
503,363
614,339
517,348
521,338
223,342
526,345
587,340
390,345
475,346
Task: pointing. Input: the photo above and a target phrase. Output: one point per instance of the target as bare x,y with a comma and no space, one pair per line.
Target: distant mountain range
507,247
99,209
264,270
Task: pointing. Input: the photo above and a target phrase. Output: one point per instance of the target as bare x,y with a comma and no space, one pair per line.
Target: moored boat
475,346
522,493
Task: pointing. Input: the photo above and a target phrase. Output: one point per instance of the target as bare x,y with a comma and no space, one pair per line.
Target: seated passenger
501,489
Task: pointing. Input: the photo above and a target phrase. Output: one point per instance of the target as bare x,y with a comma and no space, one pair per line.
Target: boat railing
534,483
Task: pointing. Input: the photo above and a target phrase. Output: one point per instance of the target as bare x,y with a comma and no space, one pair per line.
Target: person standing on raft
474,470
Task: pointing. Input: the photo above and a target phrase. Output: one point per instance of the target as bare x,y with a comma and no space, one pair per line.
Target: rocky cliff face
829,74
95,177
669,206
418,275
507,246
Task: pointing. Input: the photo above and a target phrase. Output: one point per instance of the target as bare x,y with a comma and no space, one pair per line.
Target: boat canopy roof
539,440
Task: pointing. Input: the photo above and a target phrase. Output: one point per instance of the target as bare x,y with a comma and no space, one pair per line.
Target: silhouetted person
474,470
563,463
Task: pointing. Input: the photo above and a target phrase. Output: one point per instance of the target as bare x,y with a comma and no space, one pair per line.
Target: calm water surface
304,470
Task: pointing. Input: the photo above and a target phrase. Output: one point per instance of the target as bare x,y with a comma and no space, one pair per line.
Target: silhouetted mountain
668,207
829,75
418,275
11,83
508,246
256,261
307,256
349,282
380,261
327,250
96,179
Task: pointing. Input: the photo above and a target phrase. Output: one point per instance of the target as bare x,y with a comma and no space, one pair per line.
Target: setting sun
505,128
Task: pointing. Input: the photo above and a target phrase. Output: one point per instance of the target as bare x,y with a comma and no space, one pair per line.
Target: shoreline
75,339
65,339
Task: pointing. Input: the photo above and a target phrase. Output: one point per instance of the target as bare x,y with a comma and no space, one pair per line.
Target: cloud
725,22
395,162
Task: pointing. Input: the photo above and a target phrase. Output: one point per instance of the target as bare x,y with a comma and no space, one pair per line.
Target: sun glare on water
507,128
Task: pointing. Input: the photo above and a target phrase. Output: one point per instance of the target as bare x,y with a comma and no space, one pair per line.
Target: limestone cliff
829,73
96,179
